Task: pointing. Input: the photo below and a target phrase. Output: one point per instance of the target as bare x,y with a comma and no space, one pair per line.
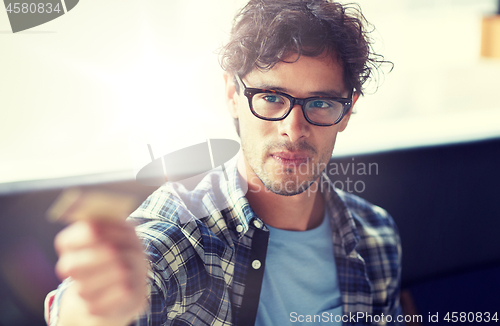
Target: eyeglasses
274,106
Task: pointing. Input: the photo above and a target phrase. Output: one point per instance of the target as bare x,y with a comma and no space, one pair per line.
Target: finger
83,234
121,235
123,266
86,261
76,236
118,299
94,286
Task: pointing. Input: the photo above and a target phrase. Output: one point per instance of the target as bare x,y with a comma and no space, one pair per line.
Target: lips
290,158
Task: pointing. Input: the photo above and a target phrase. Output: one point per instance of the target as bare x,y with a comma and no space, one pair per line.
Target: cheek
245,127
249,131
327,146
253,127
244,114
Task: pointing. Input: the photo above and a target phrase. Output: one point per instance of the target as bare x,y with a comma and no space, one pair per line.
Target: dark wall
446,203
444,200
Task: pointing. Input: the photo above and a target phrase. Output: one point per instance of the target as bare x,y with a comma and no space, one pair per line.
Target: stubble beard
287,185
284,181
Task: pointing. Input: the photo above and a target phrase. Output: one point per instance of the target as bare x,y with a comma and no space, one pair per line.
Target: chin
287,186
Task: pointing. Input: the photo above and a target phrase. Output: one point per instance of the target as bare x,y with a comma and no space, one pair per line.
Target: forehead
301,77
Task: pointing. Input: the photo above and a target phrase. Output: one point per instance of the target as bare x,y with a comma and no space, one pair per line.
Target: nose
295,125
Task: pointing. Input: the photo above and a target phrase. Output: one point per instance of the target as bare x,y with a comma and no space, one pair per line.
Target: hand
109,269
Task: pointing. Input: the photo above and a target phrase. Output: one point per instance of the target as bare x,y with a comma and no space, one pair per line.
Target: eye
319,104
272,98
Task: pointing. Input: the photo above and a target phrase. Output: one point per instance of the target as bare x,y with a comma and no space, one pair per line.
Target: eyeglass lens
318,110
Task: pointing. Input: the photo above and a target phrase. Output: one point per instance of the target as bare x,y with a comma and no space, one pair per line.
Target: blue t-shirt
300,284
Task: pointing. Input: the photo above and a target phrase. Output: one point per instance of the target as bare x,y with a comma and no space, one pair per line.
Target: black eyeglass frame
249,92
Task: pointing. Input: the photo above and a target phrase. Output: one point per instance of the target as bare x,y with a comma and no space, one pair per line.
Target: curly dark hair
266,32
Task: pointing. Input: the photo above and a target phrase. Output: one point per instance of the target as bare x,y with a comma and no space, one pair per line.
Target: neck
300,212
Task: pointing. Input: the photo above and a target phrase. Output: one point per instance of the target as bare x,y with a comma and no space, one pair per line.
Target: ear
231,95
345,120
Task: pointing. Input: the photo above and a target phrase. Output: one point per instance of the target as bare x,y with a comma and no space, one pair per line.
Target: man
290,249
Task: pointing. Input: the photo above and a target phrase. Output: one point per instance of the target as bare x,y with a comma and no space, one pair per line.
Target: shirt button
257,224
256,264
239,228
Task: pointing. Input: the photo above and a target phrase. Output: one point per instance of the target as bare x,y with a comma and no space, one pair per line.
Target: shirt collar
341,217
241,214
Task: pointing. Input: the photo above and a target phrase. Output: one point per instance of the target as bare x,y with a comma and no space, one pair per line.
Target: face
288,155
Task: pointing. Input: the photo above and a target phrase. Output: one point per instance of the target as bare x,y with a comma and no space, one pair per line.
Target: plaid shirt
207,251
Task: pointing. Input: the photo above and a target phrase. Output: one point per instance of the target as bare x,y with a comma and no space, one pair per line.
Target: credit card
75,204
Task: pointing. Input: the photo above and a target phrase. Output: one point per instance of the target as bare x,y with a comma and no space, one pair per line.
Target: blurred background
82,96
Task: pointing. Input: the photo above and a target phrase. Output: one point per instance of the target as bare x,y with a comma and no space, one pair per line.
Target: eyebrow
331,93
